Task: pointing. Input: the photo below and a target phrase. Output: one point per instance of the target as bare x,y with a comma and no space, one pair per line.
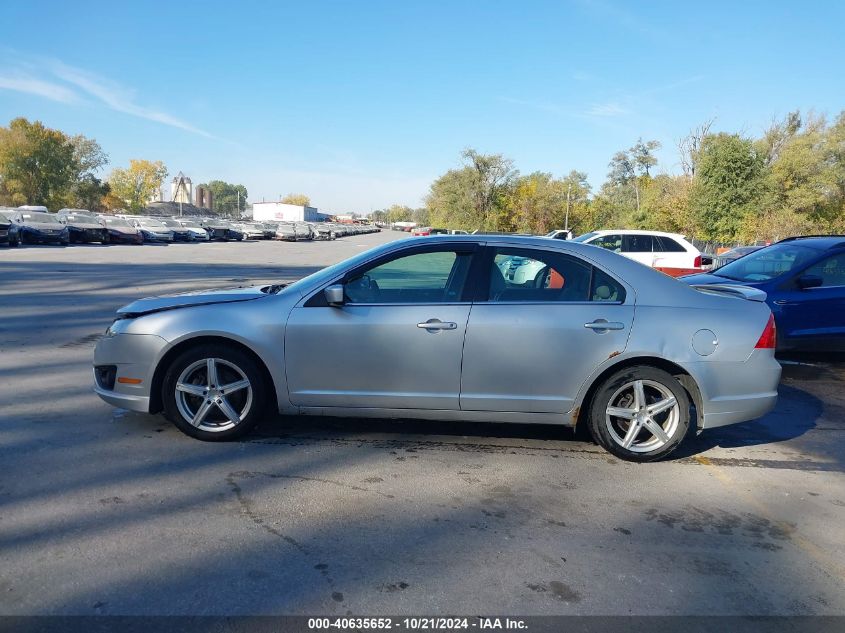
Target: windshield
581,238
116,222
149,223
81,218
44,218
172,224
325,274
191,225
767,263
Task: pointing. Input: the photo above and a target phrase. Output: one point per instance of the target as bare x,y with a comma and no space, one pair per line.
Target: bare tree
690,146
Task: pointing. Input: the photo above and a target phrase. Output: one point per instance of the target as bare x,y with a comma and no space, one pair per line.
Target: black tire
232,364
619,391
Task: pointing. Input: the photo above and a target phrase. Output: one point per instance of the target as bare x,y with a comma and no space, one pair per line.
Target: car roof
637,232
820,242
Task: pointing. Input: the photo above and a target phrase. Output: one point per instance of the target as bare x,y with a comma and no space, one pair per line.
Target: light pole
568,195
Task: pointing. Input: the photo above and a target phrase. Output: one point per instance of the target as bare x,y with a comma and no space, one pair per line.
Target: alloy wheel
213,394
642,416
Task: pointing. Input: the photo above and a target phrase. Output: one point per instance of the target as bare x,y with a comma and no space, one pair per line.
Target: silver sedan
482,328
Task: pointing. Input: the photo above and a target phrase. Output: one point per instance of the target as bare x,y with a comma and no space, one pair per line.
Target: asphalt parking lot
103,511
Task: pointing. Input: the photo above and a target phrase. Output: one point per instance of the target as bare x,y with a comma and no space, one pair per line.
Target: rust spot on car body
576,413
613,354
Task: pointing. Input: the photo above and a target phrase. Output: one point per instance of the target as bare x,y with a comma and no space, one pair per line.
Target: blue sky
362,104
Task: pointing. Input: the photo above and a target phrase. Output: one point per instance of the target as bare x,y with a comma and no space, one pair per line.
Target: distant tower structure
203,198
181,189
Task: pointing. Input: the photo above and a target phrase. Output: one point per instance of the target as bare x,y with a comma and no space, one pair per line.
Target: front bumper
135,357
39,236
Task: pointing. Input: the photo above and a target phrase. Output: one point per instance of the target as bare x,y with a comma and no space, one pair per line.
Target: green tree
728,186
536,203
89,192
299,199
666,205
399,213
135,185
629,173
473,197
39,165
450,201
228,199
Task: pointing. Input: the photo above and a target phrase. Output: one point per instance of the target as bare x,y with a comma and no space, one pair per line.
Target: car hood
43,226
123,229
83,225
189,299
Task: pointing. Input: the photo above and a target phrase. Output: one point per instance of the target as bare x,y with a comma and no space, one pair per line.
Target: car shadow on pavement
796,413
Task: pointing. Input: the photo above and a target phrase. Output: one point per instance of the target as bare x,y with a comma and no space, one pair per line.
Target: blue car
804,280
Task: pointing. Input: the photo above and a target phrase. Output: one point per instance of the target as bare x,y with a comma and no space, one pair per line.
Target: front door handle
601,325
437,324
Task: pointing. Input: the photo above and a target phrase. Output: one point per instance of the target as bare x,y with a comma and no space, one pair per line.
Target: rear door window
530,275
637,244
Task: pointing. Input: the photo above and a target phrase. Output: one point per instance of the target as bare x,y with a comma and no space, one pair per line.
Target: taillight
697,262
768,338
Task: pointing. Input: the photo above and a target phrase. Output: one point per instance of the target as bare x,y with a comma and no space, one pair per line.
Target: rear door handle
601,324
437,324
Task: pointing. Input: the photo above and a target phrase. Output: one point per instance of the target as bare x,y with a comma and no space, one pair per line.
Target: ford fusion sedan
40,227
83,227
804,282
435,328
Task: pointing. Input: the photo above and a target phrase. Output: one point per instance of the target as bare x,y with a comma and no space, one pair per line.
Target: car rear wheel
640,414
214,393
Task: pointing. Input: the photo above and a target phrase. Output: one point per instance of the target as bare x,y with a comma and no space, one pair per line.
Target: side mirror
334,295
809,281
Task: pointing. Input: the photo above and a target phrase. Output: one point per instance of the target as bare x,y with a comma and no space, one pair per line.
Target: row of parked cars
36,225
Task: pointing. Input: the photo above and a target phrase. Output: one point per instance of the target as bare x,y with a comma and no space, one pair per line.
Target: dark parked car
83,226
9,231
804,281
181,233
220,230
120,230
40,227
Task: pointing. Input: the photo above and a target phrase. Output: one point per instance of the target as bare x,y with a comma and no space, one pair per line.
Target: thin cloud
609,109
31,85
54,80
118,97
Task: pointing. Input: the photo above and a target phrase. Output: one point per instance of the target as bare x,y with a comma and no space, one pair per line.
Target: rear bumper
738,392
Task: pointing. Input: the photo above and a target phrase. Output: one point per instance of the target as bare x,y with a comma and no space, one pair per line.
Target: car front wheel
640,414
214,393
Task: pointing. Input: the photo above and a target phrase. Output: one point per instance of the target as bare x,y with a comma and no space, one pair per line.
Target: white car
559,234
669,253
